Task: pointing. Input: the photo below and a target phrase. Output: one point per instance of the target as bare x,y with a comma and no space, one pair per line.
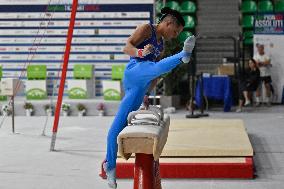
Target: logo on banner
269,24
69,7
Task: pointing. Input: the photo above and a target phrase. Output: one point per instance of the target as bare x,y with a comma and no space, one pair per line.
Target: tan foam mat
207,137
192,160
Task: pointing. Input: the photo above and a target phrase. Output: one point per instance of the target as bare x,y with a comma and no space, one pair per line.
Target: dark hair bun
166,10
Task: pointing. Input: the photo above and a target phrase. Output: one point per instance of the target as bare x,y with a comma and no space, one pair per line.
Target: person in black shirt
248,84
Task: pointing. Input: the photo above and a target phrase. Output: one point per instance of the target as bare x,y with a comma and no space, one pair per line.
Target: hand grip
132,115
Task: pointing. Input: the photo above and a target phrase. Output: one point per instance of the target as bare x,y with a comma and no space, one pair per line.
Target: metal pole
63,74
235,56
155,96
146,172
13,113
201,92
202,114
191,77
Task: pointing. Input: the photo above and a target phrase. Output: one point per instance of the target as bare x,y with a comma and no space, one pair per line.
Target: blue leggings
137,78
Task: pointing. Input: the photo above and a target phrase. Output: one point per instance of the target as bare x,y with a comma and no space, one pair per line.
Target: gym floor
26,162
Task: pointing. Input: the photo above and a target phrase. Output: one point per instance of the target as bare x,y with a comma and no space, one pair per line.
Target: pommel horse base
146,136
205,148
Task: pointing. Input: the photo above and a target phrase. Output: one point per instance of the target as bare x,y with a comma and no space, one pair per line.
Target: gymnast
144,47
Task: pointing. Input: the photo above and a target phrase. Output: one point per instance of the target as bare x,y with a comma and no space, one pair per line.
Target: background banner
269,24
34,32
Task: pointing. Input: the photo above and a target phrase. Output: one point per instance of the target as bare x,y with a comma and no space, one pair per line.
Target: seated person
248,84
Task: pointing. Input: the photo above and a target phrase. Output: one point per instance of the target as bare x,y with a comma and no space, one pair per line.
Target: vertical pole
191,78
157,176
202,114
63,73
235,57
143,171
192,87
13,114
201,93
155,96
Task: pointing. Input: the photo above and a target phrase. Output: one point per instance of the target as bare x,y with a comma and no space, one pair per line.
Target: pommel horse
146,136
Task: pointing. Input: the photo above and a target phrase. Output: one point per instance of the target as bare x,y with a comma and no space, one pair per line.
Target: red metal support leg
146,172
157,177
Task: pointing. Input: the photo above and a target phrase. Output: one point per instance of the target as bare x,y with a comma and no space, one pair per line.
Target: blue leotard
138,75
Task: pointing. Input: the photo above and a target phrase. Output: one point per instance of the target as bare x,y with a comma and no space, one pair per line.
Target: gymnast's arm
140,34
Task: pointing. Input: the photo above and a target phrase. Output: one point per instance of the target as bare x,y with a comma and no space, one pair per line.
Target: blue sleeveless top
158,48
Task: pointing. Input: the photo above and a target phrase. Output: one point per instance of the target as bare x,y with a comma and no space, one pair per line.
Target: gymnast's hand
146,102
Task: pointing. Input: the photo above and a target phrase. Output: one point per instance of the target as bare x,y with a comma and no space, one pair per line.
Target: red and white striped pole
63,73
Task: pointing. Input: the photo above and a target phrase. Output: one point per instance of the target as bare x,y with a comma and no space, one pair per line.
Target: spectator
263,62
249,84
